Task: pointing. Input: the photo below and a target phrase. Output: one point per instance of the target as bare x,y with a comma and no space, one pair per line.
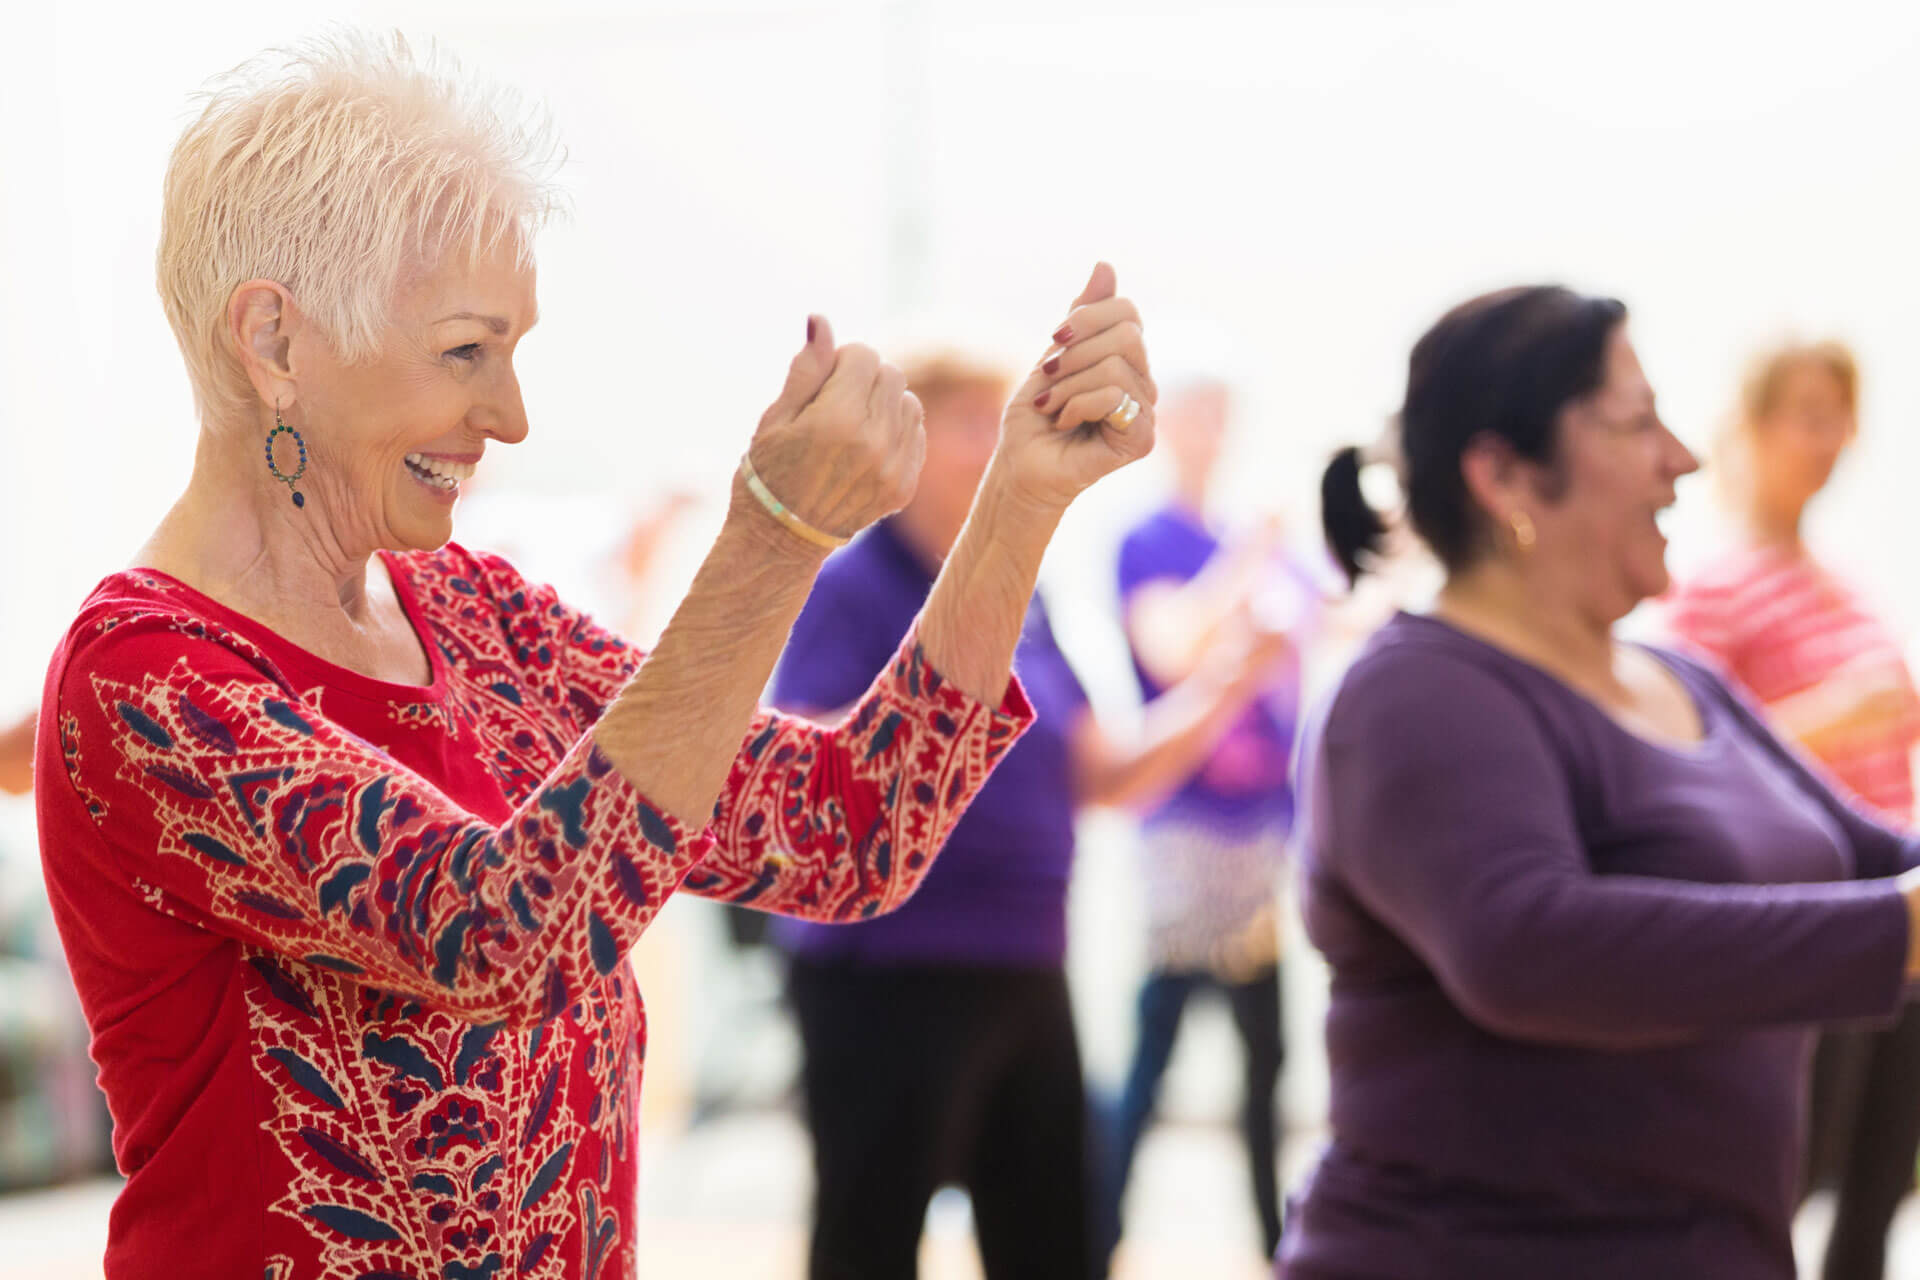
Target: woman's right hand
843,444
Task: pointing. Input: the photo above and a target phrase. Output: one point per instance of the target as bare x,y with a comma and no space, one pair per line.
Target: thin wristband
779,510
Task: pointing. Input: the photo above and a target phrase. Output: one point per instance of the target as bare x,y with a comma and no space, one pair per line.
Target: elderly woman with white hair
349,829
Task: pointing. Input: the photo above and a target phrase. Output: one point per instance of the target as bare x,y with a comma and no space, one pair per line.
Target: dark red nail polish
1040,401
1051,366
811,325
1064,334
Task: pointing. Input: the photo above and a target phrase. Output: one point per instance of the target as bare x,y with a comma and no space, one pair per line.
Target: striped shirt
1784,627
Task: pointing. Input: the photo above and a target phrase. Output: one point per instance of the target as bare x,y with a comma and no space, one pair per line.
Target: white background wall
1292,191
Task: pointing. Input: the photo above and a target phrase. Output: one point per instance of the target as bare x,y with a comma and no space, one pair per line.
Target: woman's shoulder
1417,676
1735,572
1414,649
139,623
144,602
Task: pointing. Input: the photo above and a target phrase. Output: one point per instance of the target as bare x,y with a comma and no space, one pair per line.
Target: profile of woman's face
1798,440
391,439
1618,466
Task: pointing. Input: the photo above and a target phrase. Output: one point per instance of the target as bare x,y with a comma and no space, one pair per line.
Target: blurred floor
729,1199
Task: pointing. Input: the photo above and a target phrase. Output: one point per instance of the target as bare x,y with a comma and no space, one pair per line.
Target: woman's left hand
1062,431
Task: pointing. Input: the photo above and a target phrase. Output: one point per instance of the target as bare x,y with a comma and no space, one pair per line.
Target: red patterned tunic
352,952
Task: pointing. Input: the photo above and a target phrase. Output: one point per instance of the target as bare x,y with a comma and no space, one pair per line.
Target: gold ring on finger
1123,417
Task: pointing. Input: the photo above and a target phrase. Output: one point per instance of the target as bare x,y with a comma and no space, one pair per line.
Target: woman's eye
470,351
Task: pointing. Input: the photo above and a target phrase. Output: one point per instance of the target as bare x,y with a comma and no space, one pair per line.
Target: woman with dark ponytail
1582,909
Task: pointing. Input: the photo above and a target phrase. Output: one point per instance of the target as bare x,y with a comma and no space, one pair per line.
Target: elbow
1511,988
1492,987
901,878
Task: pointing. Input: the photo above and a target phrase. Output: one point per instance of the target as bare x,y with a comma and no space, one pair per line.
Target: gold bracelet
779,510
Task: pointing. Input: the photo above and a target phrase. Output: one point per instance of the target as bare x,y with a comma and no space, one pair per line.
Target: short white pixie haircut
338,167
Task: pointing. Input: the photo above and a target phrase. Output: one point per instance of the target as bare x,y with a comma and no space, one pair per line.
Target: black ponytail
1355,532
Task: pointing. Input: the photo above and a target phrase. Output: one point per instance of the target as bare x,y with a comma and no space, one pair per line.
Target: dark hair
1506,363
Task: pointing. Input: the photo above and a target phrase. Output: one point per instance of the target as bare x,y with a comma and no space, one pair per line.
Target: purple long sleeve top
1574,972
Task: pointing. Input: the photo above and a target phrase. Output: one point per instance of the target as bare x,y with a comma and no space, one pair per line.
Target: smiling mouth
439,473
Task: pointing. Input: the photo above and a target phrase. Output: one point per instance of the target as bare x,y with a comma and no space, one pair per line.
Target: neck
1522,612
235,535
1774,522
929,531
1190,492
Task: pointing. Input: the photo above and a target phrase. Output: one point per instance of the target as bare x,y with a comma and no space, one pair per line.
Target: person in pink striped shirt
1832,678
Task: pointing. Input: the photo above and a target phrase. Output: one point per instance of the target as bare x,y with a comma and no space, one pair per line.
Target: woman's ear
1494,475
261,319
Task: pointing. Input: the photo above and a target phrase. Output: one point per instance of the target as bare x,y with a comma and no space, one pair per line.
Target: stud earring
299,499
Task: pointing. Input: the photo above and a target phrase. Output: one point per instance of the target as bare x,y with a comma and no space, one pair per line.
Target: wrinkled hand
843,444
1055,439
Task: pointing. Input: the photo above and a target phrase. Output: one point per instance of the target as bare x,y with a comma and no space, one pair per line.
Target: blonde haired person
1832,679
939,1041
348,829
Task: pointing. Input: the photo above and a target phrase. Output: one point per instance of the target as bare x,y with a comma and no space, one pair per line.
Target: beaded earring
299,499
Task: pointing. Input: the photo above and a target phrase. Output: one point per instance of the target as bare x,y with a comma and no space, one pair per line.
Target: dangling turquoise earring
299,499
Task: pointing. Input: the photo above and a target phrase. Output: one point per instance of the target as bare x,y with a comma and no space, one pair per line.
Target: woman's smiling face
390,440
1619,462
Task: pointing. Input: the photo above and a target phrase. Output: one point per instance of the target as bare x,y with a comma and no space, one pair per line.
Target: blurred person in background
1831,679
16,755
939,1042
349,830
1212,849
1582,908
638,560
53,1122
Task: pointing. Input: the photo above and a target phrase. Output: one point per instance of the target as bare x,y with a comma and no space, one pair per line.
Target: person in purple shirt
938,1041
1581,908
1211,851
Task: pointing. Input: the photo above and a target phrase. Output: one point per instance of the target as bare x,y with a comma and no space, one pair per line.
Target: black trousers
918,1077
1865,1137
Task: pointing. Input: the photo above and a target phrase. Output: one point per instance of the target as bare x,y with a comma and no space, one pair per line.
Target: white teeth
442,472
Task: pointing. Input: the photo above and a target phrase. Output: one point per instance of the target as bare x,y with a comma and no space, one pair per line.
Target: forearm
1544,958
1172,628
841,823
1821,723
1173,625
974,616
676,728
1178,731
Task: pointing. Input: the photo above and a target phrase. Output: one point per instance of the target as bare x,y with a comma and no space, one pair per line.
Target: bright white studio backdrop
1292,191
